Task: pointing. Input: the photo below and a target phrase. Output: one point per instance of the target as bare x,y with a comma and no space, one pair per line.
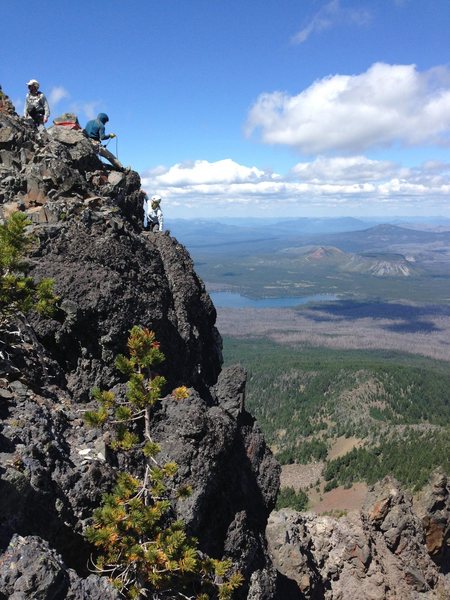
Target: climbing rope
117,146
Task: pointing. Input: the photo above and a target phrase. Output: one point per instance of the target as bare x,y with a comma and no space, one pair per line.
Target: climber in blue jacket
95,130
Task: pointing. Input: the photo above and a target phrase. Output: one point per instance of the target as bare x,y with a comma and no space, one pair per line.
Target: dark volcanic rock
222,454
31,569
110,276
48,485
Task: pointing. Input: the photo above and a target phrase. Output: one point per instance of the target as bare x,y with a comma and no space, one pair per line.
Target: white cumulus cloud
387,104
203,172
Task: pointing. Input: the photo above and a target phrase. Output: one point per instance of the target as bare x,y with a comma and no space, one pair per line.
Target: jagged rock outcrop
6,106
31,569
110,276
433,507
378,554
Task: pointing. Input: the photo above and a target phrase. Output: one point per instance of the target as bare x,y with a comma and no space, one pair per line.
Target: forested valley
393,410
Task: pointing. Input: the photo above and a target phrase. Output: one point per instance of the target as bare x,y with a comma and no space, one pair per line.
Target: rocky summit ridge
110,276
54,469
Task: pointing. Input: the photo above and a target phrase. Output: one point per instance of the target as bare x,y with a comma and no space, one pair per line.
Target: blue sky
253,107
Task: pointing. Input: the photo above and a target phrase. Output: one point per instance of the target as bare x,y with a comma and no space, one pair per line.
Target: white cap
33,82
156,198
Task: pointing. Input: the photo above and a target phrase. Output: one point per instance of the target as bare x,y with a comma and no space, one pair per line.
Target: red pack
68,120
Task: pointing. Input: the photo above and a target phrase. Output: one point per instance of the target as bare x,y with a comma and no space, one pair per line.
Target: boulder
31,569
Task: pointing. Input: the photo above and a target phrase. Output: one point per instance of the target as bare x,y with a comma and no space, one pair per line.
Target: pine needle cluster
141,545
180,393
18,291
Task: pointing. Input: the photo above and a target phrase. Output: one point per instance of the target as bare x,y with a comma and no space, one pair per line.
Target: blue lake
234,300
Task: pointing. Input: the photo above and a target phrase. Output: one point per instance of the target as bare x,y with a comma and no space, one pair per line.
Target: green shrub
18,291
289,498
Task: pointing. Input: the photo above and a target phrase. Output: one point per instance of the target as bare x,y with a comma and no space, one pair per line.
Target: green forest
397,406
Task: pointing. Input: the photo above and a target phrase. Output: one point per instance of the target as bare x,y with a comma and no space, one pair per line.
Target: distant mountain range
383,237
376,264
259,237
204,232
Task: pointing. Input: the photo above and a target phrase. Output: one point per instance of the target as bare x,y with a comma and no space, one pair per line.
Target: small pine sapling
142,547
18,291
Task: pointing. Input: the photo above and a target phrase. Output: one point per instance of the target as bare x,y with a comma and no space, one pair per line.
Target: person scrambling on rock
95,130
153,216
36,105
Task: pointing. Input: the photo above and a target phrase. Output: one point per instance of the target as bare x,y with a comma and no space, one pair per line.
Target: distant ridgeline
290,258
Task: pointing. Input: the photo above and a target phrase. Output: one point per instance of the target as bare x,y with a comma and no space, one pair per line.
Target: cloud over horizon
322,184
386,105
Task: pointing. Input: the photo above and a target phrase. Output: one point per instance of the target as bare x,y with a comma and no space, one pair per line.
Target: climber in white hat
36,105
153,217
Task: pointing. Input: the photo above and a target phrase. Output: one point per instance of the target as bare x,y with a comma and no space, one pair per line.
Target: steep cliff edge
110,276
